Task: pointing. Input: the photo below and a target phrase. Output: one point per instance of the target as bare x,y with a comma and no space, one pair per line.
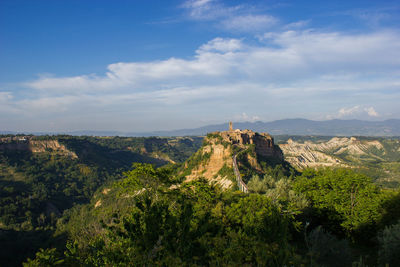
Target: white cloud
249,23
7,106
371,112
373,17
49,104
295,56
244,117
221,45
355,112
297,25
207,9
5,97
320,70
336,48
348,111
237,18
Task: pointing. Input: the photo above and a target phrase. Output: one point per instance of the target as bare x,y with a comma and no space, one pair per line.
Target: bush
45,257
326,250
389,240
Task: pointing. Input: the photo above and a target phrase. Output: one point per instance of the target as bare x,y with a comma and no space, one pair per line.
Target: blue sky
70,65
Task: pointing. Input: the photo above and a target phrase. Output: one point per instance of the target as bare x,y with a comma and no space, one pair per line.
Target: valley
54,187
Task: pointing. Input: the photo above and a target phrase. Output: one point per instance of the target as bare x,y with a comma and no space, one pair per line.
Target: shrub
389,240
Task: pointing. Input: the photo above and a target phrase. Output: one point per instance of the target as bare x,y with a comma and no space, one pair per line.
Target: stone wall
263,142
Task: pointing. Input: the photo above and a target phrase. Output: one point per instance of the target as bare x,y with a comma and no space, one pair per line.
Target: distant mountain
279,127
298,127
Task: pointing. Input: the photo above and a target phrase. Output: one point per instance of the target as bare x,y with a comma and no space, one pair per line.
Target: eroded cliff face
264,143
36,146
215,156
214,159
330,153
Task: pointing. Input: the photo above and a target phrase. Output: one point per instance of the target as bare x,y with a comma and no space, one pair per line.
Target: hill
377,157
80,188
150,216
230,158
42,176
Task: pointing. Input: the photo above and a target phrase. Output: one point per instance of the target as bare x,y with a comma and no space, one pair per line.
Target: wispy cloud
244,117
208,9
249,23
236,18
221,45
374,17
5,96
297,25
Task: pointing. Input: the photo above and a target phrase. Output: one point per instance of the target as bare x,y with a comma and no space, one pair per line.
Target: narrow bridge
242,186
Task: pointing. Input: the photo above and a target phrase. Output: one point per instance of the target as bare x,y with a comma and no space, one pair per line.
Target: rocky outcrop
219,156
329,153
36,146
263,142
303,155
214,160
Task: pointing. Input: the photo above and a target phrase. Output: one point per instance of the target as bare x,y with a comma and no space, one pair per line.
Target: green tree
389,241
45,257
343,196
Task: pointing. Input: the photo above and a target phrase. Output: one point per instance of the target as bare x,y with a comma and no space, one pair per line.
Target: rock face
35,146
303,155
218,157
214,160
264,143
330,153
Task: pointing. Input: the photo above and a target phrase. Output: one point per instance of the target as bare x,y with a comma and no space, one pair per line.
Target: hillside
47,182
214,161
377,157
327,217
42,176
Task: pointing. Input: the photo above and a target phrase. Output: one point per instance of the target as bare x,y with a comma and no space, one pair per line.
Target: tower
230,126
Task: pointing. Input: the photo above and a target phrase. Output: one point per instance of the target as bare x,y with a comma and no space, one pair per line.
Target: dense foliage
321,218
342,198
37,187
195,224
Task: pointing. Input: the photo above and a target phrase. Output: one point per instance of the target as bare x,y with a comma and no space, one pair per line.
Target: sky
145,65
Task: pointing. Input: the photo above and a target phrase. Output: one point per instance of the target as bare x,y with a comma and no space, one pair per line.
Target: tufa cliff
27,143
337,152
214,161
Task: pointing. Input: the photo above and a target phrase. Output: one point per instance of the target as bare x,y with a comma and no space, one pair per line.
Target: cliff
337,152
214,160
263,142
35,146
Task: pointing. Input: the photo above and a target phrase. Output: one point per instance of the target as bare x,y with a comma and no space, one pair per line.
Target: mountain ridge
295,126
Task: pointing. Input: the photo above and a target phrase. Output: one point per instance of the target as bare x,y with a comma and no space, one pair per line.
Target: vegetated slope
214,161
321,218
41,176
142,220
378,157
